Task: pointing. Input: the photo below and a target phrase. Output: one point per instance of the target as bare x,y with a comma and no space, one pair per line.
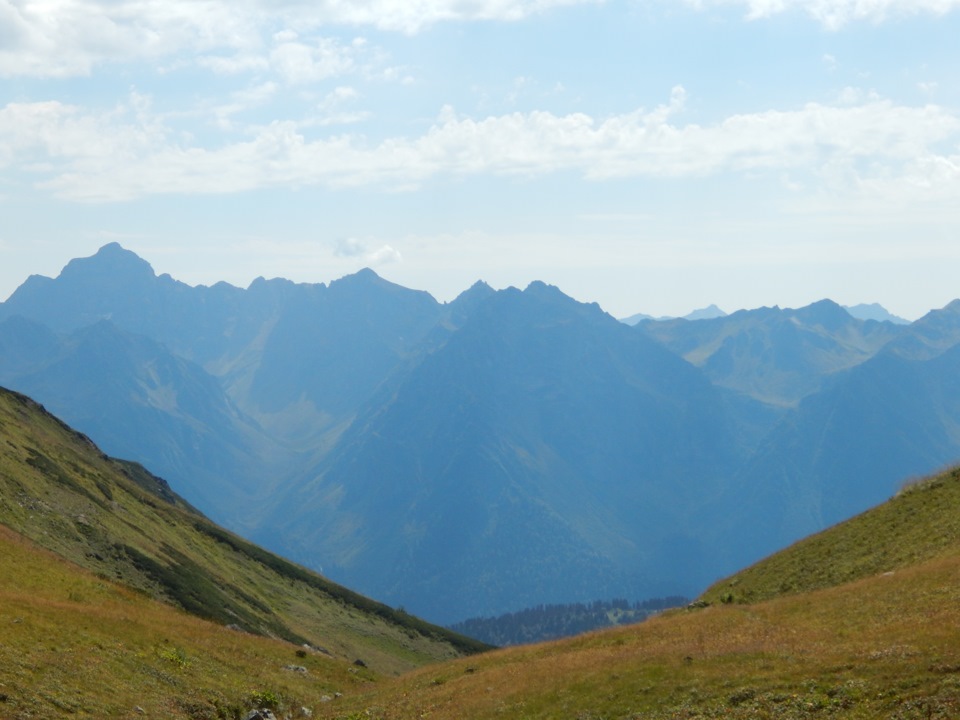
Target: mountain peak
823,312
476,292
874,311
110,261
538,288
365,274
363,278
708,313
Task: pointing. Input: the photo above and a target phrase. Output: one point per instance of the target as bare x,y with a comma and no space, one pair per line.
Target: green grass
882,647
75,645
861,621
116,520
920,523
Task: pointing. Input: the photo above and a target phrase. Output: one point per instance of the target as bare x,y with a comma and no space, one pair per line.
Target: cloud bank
834,14
67,38
127,152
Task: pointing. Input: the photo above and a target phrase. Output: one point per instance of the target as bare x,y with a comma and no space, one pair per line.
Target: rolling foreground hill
860,621
99,541
75,645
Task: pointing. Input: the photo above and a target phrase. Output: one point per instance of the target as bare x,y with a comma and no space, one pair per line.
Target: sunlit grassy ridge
121,523
879,639
74,645
921,522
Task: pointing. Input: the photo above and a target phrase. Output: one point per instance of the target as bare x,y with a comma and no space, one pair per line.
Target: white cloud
64,38
333,108
412,15
354,248
241,101
349,247
834,14
861,143
384,256
300,63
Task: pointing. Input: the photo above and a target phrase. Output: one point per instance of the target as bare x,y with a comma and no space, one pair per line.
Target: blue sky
650,156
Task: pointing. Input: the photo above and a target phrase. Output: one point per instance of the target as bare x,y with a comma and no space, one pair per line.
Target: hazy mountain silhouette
773,355
522,459
142,402
874,311
504,450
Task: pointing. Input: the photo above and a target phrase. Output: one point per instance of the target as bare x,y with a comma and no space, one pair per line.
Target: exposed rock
261,714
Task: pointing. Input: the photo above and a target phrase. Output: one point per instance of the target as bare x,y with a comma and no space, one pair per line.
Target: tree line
551,622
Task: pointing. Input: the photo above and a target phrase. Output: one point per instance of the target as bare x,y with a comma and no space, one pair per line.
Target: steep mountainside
849,446
520,461
920,523
931,335
503,450
773,355
118,521
141,401
334,345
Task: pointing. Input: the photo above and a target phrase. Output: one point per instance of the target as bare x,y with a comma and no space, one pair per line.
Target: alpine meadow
543,359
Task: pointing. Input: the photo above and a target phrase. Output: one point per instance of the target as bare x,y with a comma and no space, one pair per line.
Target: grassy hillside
75,645
122,524
861,621
880,638
922,522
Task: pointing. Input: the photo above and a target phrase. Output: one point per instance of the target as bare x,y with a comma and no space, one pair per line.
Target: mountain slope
774,355
849,446
77,645
116,520
332,346
296,359
878,638
504,450
520,461
141,401
920,523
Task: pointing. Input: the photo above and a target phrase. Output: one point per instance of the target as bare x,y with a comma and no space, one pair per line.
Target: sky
652,156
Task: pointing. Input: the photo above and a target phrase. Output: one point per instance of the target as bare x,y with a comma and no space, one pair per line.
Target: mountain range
99,559
507,449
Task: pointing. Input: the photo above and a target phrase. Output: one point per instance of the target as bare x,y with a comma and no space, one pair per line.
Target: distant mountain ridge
707,313
874,311
507,449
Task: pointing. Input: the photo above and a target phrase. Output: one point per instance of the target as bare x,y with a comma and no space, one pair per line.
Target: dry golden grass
72,644
110,518
884,646
921,522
